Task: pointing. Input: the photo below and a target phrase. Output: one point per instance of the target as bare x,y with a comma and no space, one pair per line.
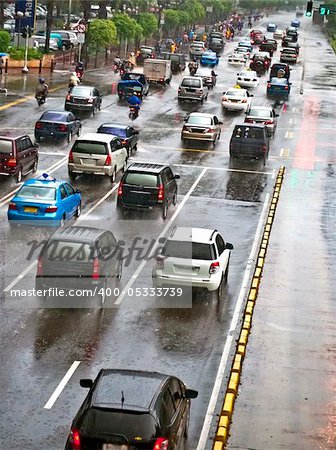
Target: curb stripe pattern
225,416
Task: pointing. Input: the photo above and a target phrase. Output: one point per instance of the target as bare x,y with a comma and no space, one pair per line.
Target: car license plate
30,209
114,447
90,162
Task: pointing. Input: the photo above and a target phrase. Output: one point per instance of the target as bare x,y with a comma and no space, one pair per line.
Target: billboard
25,6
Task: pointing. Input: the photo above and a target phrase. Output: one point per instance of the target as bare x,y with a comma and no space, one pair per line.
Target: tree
171,20
148,22
138,33
49,22
195,9
184,18
4,41
2,13
125,28
102,33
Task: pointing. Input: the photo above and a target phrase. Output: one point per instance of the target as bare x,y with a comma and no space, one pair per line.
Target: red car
257,37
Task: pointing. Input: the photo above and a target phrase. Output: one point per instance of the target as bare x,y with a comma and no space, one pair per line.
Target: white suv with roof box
196,257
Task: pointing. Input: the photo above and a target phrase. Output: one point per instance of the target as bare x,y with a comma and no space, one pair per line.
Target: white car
195,257
236,99
247,78
244,51
278,34
245,39
39,42
237,59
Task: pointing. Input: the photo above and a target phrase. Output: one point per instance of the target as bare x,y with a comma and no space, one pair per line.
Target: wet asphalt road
40,342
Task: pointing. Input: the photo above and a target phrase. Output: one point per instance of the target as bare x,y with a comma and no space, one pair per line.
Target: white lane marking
203,440
286,135
293,109
164,231
53,153
62,385
273,174
33,264
4,200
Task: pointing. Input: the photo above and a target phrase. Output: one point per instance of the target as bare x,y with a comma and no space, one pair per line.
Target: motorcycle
133,113
192,71
79,75
40,99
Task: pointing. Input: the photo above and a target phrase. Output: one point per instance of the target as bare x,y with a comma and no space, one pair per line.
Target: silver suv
97,154
196,257
192,88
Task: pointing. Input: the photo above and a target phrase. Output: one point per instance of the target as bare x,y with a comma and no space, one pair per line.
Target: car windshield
242,132
146,50
91,148
235,93
141,179
37,192
276,80
54,116
188,250
191,82
81,91
134,76
289,50
259,112
64,251
6,147
121,132
195,120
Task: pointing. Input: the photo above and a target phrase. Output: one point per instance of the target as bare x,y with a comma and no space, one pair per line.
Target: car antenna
122,399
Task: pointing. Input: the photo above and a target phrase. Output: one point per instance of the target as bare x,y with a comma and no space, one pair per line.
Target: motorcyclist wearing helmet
80,67
41,89
134,101
117,61
74,80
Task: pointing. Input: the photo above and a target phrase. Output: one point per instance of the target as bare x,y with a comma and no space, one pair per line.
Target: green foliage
4,41
195,9
171,20
148,22
102,32
184,18
126,27
19,53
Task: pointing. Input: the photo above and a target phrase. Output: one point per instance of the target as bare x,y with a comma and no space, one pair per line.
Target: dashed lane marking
284,153
62,385
289,135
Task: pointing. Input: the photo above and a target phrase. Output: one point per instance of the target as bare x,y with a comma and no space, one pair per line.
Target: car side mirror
86,383
290,84
220,122
191,393
251,95
77,191
228,246
177,177
36,145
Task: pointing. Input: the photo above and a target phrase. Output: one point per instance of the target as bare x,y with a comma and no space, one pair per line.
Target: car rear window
37,193
235,93
54,116
248,133
188,250
255,112
64,251
146,50
176,58
191,82
6,147
90,148
141,179
121,132
199,120
81,91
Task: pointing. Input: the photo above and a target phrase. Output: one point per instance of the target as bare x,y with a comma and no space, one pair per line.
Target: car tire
124,167
18,176
165,210
72,176
99,106
219,291
93,110
66,108
37,138
135,148
214,142
34,168
78,211
79,132
226,273
175,198
69,137
114,175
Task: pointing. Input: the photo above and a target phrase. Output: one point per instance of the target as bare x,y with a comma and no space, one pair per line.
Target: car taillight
90,100
209,130
124,142
268,85
38,125
244,101
108,160
248,121
51,209
120,189
214,267
95,271
11,162
269,122
75,438
286,88
160,263
68,97
161,193
70,159
12,206
224,99
161,443
39,270
201,91
62,127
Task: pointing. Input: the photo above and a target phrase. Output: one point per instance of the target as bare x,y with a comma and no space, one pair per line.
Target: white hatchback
195,257
247,78
237,59
236,99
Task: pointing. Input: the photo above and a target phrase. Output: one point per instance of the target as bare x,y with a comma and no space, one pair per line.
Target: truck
158,70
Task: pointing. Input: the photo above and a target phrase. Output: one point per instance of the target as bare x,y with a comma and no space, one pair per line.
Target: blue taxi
209,59
44,201
278,87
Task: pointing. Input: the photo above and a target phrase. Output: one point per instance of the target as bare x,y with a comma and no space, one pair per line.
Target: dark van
250,142
18,156
177,61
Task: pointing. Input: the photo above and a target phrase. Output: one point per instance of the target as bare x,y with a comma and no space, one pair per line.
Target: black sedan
58,125
131,409
129,136
83,98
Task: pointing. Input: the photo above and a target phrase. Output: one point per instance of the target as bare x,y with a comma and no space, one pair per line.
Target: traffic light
24,32
309,9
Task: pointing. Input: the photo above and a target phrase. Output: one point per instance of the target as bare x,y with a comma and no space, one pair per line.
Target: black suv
83,98
250,142
146,186
129,136
79,258
132,409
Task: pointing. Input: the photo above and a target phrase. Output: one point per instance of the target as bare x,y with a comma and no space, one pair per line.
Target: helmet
74,74
132,54
41,80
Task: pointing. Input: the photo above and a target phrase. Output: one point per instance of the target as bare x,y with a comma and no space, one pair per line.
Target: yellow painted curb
228,404
237,363
233,383
218,446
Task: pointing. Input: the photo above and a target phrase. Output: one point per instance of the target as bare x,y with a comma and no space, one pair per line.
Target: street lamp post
19,16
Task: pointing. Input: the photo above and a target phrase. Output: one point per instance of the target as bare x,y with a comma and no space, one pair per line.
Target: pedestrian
173,47
1,65
191,35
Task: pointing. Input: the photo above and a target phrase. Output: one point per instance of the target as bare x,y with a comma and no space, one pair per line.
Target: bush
19,53
4,41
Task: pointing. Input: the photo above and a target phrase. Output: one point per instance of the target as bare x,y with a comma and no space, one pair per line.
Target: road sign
81,28
81,38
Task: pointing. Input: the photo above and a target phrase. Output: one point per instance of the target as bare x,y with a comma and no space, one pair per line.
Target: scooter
79,75
40,100
133,113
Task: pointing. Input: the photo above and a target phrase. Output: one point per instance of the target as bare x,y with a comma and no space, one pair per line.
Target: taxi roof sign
46,177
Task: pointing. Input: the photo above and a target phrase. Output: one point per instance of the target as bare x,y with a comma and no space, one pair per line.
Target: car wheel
78,210
120,96
225,278
135,148
69,136
175,198
99,106
264,159
165,210
72,176
37,138
79,132
124,167
62,222
214,142
35,167
114,175
94,110
219,291
18,176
